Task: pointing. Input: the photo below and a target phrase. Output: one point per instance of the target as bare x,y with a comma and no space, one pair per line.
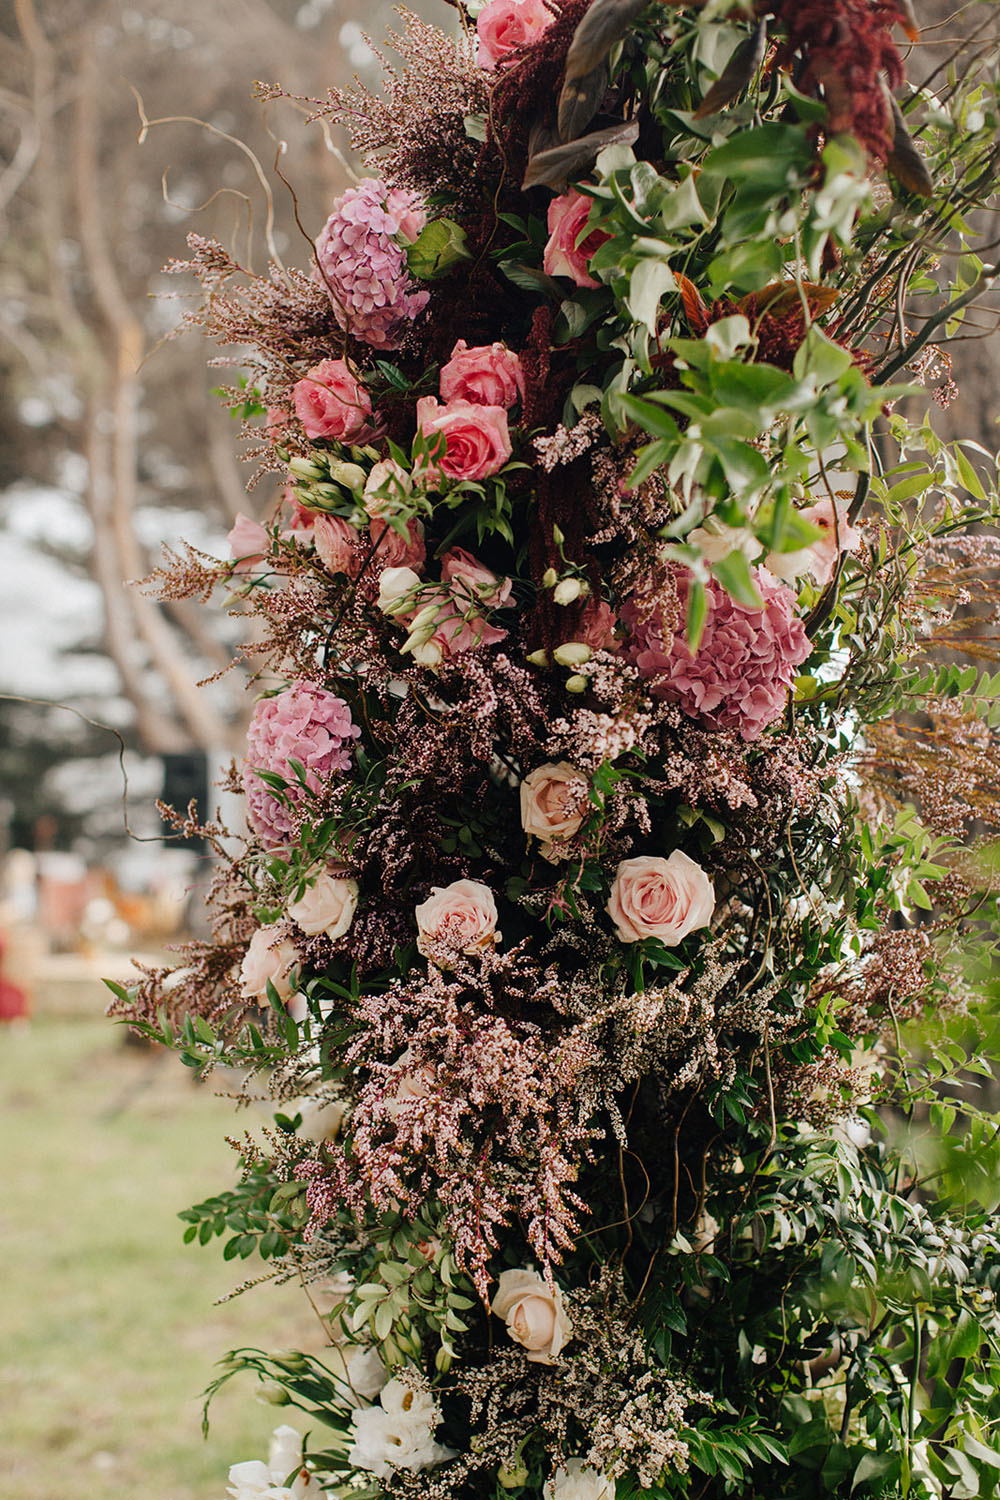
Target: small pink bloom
398,549
660,898
469,578
478,442
487,375
564,254
404,208
249,543
330,402
504,26
820,558
456,918
596,625
337,544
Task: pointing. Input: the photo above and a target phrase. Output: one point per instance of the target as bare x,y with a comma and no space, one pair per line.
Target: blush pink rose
534,1313
504,26
326,906
554,803
468,576
249,544
820,558
660,898
398,549
564,254
456,918
477,437
330,402
487,375
337,544
269,958
596,625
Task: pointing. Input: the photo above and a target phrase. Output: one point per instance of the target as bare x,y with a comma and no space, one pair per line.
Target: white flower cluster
255,1480
398,1433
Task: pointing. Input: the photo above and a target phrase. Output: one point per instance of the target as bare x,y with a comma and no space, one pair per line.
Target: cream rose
327,905
534,1314
660,898
578,1481
553,805
270,957
456,918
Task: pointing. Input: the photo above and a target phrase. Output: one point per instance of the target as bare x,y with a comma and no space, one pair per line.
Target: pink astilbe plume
304,723
745,663
363,262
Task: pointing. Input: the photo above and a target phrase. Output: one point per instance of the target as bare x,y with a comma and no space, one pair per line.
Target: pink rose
534,1313
337,544
249,544
488,375
456,918
564,255
443,621
478,442
470,578
660,898
269,958
331,403
554,802
398,549
504,26
326,906
820,558
596,625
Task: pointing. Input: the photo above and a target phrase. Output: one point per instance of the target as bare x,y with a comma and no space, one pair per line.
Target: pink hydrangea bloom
303,723
744,665
363,261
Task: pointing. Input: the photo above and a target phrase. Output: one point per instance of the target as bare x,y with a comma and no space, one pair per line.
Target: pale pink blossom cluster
303,723
505,26
745,663
361,254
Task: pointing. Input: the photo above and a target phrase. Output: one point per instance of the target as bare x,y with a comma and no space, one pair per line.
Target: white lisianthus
361,1368
396,590
255,1480
577,1481
398,1433
716,540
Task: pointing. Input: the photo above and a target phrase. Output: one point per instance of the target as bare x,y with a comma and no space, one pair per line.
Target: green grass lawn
108,1331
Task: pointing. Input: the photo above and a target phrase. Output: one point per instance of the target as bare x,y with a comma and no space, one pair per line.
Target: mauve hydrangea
364,263
745,663
303,723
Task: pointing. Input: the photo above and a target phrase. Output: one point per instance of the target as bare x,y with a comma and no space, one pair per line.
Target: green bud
572,654
550,578
576,684
351,476
568,590
558,536
305,468
538,658
512,1479
273,1394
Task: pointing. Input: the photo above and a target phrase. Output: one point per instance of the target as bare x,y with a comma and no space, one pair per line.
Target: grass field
107,1329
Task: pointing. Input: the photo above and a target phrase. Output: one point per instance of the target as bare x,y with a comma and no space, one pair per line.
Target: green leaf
733,572
439,247
649,282
875,1466
821,357
697,613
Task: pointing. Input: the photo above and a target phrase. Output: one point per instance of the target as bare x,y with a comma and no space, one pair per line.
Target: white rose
321,1118
553,805
534,1314
327,905
578,1482
396,588
270,956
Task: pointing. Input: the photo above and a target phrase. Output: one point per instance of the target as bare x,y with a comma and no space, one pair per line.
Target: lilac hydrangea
303,723
361,253
745,662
